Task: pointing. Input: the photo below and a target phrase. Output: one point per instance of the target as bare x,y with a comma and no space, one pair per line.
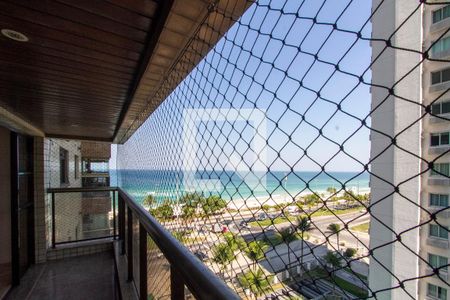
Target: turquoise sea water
164,184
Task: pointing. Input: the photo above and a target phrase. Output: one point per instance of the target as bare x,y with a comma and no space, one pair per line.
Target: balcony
443,118
438,149
437,242
441,212
439,180
438,26
443,274
439,87
136,250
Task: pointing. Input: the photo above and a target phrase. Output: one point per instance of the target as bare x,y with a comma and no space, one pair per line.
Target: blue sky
266,61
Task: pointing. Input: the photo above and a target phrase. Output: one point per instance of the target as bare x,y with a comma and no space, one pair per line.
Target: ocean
165,184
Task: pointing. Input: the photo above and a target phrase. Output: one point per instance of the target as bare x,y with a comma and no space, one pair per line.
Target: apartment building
414,193
434,238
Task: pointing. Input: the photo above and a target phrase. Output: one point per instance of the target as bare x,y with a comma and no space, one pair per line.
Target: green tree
256,281
331,190
223,256
190,203
265,208
350,252
303,225
163,212
333,259
234,242
211,205
149,201
180,235
288,235
334,228
255,251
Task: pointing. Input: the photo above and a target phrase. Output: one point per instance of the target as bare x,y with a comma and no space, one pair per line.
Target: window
77,166
441,14
440,76
440,170
440,139
441,45
63,166
440,108
437,261
438,231
436,292
438,200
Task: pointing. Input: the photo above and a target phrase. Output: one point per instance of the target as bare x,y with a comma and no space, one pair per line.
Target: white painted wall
393,210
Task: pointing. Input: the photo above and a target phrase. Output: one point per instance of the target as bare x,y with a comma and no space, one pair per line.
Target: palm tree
335,261
223,255
255,251
288,235
303,225
149,201
256,281
233,241
334,228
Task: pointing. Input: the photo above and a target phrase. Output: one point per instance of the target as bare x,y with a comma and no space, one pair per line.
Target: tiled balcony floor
84,277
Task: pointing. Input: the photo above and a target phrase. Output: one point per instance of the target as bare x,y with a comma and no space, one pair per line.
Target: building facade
405,192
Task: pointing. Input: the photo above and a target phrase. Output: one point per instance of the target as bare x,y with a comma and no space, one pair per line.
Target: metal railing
82,214
185,268
144,241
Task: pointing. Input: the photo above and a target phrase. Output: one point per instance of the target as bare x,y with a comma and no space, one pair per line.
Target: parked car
244,224
262,217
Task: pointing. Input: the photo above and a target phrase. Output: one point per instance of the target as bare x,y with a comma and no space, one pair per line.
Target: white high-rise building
404,193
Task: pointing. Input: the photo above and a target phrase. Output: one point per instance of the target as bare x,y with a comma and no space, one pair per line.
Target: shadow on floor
84,277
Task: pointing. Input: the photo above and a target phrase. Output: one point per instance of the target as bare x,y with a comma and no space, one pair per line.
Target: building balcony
441,25
439,180
438,149
439,87
444,118
134,257
441,55
437,242
443,274
441,212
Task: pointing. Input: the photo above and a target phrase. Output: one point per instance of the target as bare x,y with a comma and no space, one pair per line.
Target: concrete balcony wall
439,181
438,149
437,242
443,24
440,119
439,87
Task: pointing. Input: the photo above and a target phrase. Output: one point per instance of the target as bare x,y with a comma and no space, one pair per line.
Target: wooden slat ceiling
90,66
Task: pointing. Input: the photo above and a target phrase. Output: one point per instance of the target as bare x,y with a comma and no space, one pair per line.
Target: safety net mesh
306,154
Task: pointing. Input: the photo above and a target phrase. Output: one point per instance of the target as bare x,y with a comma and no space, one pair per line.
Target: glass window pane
445,43
444,169
433,230
434,200
443,232
444,138
437,15
443,200
436,109
431,290
432,260
434,140
445,75
435,77
445,107
445,12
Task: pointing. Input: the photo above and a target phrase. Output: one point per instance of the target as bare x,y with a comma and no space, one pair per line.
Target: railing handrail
203,283
82,189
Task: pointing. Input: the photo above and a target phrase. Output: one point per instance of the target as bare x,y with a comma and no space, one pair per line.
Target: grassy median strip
319,213
361,227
